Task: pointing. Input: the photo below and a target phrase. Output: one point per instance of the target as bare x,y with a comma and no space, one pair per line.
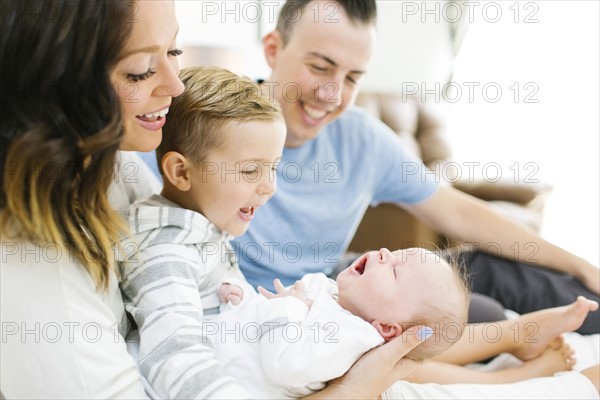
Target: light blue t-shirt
323,190
150,159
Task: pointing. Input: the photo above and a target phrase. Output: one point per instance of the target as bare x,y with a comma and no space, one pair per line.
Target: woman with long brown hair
80,80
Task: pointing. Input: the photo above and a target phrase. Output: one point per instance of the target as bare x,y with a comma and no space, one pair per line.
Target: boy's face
398,286
239,176
315,75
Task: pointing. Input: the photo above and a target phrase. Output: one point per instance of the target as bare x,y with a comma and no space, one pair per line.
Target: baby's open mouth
360,264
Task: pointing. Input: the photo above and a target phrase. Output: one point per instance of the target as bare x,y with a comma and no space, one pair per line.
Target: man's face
316,74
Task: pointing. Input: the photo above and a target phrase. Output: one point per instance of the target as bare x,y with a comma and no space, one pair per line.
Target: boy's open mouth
247,211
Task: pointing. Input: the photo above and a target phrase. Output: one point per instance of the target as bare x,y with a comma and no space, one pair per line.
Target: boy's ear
387,330
272,44
175,168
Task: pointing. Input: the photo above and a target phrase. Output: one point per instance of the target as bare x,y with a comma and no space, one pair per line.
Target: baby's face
399,286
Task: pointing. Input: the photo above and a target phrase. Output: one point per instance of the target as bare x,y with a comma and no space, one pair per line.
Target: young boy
221,145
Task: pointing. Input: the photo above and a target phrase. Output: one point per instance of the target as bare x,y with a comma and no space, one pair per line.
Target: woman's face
146,78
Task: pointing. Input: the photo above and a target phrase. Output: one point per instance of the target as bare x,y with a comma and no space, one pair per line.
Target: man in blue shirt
338,160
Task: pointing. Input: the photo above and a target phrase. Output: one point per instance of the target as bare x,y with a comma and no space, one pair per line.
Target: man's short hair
359,11
212,97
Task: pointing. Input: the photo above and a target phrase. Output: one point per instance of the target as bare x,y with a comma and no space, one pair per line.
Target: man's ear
387,330
175,168
272,44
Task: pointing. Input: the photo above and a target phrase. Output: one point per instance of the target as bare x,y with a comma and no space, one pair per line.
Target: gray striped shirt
171,268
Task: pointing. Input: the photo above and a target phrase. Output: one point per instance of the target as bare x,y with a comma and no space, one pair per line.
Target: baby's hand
230,293
298,291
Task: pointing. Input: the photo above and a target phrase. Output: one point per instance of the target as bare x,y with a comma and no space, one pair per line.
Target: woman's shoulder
59,327
51,276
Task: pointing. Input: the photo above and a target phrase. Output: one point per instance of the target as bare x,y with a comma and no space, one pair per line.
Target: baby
289,344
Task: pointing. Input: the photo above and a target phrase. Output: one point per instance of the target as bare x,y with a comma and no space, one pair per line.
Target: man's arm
465,218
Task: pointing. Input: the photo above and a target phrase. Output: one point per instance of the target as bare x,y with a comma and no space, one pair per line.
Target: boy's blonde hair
213,96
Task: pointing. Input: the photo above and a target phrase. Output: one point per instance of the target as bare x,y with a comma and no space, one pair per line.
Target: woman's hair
60,124
359,11
213,96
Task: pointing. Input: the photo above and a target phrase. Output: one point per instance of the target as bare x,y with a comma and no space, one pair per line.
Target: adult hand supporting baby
377,369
